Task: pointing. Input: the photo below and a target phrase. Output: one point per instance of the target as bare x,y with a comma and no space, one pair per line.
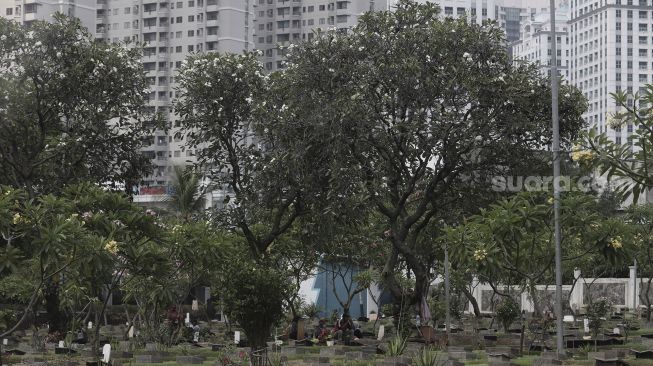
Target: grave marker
237,337
586,325
381,333
106,353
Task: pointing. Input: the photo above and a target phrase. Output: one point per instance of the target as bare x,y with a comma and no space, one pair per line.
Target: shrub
426,357
397,345
596,313
507,312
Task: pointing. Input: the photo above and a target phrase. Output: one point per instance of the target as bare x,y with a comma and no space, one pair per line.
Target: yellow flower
111,247
616,243
582,155
550,200
613,121
17,218
480,254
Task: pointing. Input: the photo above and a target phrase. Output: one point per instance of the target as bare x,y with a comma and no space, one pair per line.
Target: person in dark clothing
343,328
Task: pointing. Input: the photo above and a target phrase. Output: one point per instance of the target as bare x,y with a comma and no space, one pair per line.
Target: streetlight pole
447,295
556,178
635,307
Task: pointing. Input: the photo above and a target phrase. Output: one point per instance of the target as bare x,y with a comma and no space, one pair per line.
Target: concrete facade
534,43
171,31
281,22
27,11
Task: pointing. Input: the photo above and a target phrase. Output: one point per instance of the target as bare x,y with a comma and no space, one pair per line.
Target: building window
128,10
10,11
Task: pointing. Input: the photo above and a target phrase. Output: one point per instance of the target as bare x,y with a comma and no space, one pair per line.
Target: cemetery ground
472,342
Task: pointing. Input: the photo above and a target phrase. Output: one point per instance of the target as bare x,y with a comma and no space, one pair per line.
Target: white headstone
130,333
187,321
90,325
568,319
5,342
61,344
106,353
195,306
237,337
616,331
586,325
381,333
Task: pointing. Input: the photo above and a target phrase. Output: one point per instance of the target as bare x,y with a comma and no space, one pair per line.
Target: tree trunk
537,309
472,300
57,319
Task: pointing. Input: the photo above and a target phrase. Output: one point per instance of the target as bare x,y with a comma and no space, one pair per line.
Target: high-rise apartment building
534,43
509,14
27,11
611,50
281,22
170,32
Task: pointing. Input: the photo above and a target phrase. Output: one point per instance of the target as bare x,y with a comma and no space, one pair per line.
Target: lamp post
447,300
556,179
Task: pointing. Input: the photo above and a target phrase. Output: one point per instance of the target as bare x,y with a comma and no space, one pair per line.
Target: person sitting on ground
358,333
291,331
343,328
322,331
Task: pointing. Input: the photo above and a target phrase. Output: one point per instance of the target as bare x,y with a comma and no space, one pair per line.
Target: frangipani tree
411,113
511,242
71,109
630,162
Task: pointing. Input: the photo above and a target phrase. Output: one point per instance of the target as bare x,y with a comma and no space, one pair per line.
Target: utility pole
556,179
635,307
447,295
